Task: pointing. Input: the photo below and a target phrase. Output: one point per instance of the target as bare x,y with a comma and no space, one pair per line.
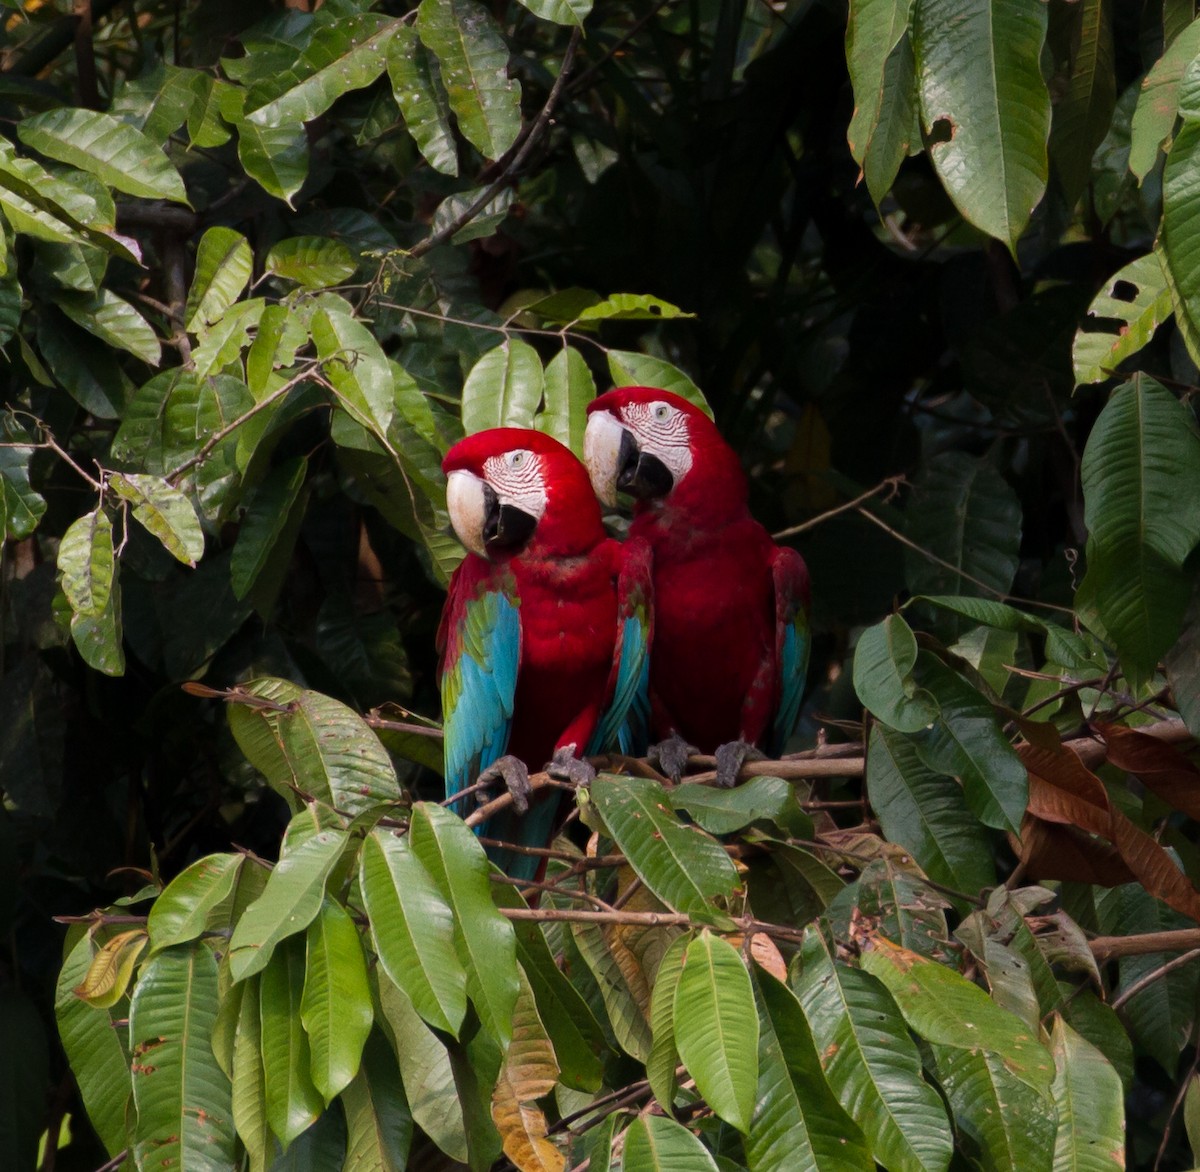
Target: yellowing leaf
108,975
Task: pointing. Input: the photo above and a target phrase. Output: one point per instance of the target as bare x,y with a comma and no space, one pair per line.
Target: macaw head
656,446
511,488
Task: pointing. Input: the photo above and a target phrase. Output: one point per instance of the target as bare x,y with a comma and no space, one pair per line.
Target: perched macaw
731,633
544,637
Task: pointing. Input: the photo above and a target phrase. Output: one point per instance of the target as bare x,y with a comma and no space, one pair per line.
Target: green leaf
224,265
316,262
85,559
158,103
114,321
20,507
1141,492
336,1004
722,811
716,1027
569,388
378,1119
418,90
503,389
291,901
343,54
267,519
275,157
1158,101
292,1100
221,345
966,742
464,37
355,365
883,661
570,12
630,369
664,1056
798,1124
681,864
985,107
164,511
925,812
1099,351
482,224
632,307
654,1143
247,1077
183,1098
450,853
1180,241
622,987
98,637
106,147
188,904
413,930
1090,1102
95,1048
871,1062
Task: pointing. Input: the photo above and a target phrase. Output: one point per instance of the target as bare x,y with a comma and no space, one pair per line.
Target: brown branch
889,484
1106,948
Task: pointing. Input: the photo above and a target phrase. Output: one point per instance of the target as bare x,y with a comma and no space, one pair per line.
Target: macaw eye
661,411
517,459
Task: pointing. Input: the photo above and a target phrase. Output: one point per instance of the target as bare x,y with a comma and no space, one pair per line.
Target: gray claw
513,772
566,766
731,756
671,756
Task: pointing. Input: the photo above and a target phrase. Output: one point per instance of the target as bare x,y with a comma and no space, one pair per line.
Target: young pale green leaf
966,742
871,1062
472,54
1158,101
985,107
106,147
883,661
291,901
164,511
224,264
798,1124
681,864
94,1046
1100,350
503,389
107,980
183,1097
1091,1105
355,365
632,307
379,1123
98,637
336,1003
450,853
266,520
246,1075
664,1057
114,321
630,369
654,1143
417,88
412,927
316,262
293,1102
716,1027
85,559
925,812
722,811
569,388
275,157
188,904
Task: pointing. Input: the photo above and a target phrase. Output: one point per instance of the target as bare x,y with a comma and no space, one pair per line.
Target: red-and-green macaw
545,631
731,633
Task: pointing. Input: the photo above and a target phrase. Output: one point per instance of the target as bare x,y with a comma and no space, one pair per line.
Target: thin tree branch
1106,948
1155,975
889,485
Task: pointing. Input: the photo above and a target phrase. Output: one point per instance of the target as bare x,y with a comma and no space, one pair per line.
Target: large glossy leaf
413,930
106,147
622,989
630,369
188,904
275,157
883,661
355,365
379,1123
85,560
722,811
164,511
343,54
716,1027
572,12
336,1004
418,90
569,387
183,1098
246,1075
871,1062
664,1056
114,321
450,853
315,262
1158,101
1179,238
925,812
985,107
1141,491
1091,1107
503,389
681,864
464,37
224,264
654,1143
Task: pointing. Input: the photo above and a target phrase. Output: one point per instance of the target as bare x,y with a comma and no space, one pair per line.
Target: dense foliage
933,264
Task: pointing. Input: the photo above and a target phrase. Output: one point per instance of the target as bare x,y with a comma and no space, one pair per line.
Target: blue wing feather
793,643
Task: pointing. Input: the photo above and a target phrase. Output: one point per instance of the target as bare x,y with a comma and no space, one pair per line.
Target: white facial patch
516,478
464,503
601,454
661,430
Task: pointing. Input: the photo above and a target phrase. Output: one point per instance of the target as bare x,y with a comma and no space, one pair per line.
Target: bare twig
1155,975
1106,948
889,485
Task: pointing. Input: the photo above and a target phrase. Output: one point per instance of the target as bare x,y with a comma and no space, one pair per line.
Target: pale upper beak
468,507
602,454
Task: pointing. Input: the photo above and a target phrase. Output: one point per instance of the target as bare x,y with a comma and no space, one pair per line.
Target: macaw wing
793,641
481,652
625,723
